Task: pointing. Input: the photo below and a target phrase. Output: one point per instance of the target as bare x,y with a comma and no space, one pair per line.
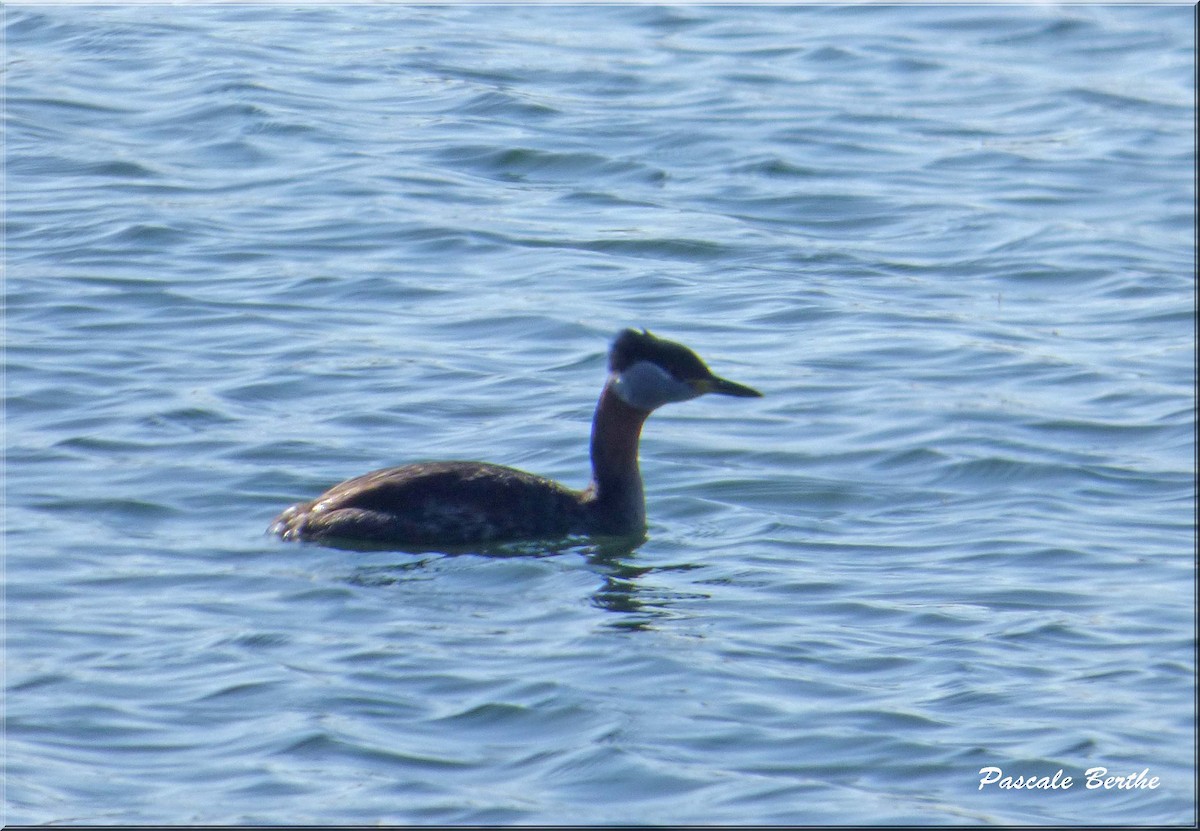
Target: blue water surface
255,250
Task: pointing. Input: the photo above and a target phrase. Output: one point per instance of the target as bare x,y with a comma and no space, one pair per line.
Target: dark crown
632,346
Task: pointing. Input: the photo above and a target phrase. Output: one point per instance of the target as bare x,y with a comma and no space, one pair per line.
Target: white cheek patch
647,386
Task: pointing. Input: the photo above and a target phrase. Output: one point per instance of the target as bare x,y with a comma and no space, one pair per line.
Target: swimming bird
464,503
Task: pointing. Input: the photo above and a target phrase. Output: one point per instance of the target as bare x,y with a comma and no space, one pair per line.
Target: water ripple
252,251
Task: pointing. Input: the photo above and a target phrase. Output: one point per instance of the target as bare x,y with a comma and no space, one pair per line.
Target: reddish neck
616,480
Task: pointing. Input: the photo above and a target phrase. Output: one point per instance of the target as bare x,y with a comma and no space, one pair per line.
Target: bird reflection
623,590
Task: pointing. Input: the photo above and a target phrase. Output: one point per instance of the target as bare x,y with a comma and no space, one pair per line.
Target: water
253,251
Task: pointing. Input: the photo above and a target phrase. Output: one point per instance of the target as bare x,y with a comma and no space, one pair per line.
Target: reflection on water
625,591
622,581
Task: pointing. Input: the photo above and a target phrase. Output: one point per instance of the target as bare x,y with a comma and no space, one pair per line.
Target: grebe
462,503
